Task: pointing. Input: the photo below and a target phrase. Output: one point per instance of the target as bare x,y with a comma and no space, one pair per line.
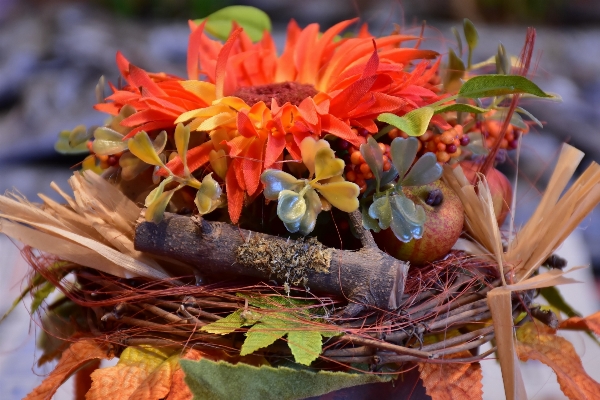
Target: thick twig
368,277
386,346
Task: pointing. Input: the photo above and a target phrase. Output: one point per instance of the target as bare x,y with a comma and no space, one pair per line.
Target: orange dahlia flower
256,105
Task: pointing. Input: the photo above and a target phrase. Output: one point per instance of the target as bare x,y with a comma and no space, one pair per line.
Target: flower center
283,92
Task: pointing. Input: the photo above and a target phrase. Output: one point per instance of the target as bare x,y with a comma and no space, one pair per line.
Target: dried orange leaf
539,342
71,360
142,373
179,389
458,381
589,323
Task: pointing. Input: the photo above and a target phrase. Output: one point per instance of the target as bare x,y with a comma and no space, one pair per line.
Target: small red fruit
500,188
443,226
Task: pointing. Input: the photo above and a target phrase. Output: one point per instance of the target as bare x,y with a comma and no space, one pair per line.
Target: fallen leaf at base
589,323
539,342
456,381
77,355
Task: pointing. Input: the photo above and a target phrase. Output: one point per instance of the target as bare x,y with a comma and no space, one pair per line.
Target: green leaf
182,141
407,219
208,195
275,181
460,107
254,21
79,135
381,210
40,295
131,166
425,171
403,152
142,147
225,325
306,345
156,192
108,141
500,85
62,145
555,299
209,380
373,156
156,210
313,208
455,71
530,115
414,123
260,336
459,42
368,221
471,36
503,62
290,206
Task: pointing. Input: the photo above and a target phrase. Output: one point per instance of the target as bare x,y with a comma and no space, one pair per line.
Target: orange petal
221,66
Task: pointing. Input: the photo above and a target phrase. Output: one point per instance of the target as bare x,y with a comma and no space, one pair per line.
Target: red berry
465,140
451,148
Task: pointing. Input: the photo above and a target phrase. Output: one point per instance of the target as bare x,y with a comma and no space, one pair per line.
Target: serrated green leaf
460,107
499,85
306,345
425,171
254,21
79,135
381,211
209,380
373,156
403,152
142,147
62,145
260,336
275,181
455,71
41,294
182,141
414,123
290,206
471,37
108,141
225,325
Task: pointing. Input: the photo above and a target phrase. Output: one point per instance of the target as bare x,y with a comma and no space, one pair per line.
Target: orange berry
386,165
368,175
493,127
456,153
504,144
441,147
350,176
509,136
104,164
456,142
364,168
394,133
419,146
356,158
442,156
102,157
448,136
431,146
403,135
382,147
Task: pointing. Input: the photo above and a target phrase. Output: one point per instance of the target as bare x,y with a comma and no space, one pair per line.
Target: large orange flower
257,105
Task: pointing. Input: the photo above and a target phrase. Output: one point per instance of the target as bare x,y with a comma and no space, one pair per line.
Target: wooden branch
367,277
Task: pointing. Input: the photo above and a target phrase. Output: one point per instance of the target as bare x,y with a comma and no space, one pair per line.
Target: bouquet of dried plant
289,225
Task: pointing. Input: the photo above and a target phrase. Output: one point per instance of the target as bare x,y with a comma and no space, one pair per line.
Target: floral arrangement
285,225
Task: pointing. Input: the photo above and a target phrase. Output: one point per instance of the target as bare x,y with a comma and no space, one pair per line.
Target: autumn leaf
142,373
179,389
83,381
590,323
539,342
77,355
456,381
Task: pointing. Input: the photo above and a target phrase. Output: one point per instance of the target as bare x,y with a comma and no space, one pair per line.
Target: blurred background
52,53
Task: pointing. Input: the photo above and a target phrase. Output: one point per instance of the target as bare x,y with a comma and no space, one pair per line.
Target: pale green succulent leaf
425,171
275,181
